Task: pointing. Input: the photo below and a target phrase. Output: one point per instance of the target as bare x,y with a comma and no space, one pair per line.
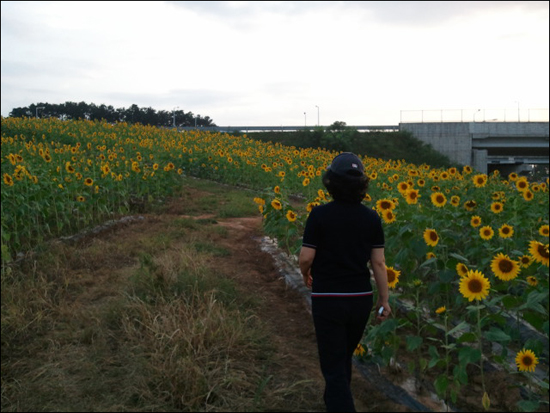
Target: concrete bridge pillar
479,161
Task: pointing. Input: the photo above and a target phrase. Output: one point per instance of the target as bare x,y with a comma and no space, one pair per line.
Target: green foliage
340,137
91,111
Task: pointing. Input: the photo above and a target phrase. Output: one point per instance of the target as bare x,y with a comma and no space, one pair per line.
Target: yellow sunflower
474,286
276,204
321,194
8,180
430,255
441,310
470,205
411,196
455,200
461,269
388,216
393,276
486,232
480,180
528,195
359,351
402,187
543,230
291,215
385,204
539,252
505,268
312,205
497,207
430,237
532,281
526,360
522,184
89,181
475,221
525,261
505,231
438,199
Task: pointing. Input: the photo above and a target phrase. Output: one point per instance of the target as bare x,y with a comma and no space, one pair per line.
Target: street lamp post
174,115
475,113
305,119
317,115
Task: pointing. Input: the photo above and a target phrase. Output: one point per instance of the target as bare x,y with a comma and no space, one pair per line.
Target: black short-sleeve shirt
343,235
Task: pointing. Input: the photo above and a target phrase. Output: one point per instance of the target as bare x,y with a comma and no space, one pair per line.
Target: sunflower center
505,266
433,236
527,361
475,286
543,251
391,276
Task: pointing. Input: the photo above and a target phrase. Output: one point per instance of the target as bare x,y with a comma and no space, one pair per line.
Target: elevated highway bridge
506,146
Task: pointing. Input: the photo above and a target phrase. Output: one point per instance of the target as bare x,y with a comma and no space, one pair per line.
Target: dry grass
142,323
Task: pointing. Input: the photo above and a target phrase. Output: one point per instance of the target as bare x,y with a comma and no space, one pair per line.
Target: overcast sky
280,63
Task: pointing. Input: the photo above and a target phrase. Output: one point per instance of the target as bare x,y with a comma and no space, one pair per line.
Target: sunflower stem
480,340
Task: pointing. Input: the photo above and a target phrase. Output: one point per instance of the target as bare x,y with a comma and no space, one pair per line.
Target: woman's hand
308,279
385,313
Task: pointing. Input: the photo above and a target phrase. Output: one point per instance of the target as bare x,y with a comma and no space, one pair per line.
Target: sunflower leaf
413,342
469,355
459,328
458,257
496,334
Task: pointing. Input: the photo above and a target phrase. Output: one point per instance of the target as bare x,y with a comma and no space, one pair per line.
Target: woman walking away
339,239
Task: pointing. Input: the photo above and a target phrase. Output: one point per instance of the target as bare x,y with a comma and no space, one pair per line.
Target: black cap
348,164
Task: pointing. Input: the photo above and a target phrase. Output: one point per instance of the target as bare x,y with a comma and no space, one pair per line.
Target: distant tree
337,126
133,114
339,137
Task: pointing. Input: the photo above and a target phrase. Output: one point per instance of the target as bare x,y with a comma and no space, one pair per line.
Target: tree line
133,114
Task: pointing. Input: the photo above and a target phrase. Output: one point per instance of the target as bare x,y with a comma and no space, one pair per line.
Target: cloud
269,62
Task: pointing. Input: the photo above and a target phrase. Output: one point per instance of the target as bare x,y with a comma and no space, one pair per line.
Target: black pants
339,327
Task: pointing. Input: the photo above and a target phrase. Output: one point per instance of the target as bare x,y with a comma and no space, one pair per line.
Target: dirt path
286,313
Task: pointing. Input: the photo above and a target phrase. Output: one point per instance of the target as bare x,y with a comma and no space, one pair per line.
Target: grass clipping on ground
142,323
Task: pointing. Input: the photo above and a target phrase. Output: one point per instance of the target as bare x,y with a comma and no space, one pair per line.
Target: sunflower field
467,253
